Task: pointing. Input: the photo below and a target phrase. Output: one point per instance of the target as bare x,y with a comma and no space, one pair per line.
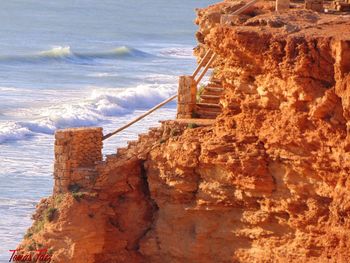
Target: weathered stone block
74,149
186,95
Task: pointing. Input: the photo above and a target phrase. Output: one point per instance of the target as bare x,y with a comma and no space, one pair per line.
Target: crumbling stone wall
186,97
76,152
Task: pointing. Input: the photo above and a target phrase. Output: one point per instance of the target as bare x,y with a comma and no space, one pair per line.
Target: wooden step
209,105
197,121
212,97
213,93
205,114
216,110
207,101
215,80
215,85
214,89
206,111
213,111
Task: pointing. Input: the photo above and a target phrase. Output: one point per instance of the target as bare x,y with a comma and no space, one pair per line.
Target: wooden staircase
208,106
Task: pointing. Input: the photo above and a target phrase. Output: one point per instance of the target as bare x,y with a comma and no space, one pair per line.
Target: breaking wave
99,107
64,53
10,131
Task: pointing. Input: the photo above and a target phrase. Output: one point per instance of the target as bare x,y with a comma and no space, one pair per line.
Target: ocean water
72,63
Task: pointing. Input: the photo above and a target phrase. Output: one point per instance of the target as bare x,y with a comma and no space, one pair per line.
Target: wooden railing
245,7
201,65
140,117
204,64
210,57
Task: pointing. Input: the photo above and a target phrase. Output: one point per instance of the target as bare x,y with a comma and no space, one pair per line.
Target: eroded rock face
268,182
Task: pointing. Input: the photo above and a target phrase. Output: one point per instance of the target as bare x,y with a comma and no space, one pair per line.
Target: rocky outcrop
267,182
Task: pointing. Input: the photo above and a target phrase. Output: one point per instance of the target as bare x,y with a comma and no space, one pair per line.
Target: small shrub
28,235
192,125
47,216
200,92
37,227
31,247
74,188
161,141
50,214
57,199
50,251
78,195
175,132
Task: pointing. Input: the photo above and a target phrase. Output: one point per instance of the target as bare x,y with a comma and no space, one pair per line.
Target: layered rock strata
267,182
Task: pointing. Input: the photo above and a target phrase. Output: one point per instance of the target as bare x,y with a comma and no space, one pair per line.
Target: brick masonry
76,152
186,97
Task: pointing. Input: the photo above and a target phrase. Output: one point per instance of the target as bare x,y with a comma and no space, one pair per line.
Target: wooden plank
201,64
206,68
243,8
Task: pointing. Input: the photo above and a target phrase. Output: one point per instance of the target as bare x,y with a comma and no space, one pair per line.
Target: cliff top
262,17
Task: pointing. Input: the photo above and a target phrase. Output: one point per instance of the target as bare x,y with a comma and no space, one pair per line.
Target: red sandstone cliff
268,182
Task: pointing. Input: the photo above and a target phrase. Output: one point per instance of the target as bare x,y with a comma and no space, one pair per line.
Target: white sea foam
57,51
101,105
11,131
162,78
177,52
9,89
102,74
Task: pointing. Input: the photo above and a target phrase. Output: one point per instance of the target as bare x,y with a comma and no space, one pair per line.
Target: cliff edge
267,182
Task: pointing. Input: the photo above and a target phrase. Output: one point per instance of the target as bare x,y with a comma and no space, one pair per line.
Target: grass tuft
200,92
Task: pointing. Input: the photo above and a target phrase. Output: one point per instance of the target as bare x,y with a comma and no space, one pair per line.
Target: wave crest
65,54
98,108
10,131
57,51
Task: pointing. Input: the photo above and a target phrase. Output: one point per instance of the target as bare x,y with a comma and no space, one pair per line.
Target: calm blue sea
72,63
